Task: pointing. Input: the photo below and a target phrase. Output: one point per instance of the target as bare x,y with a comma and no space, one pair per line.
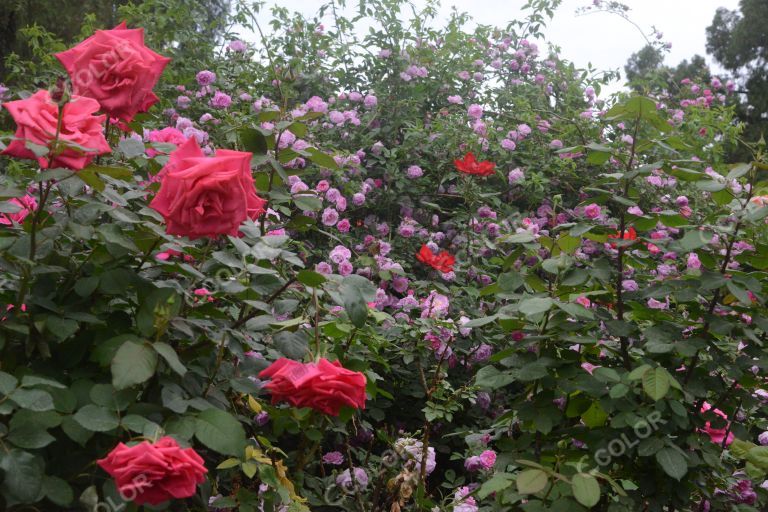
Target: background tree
188,26
738,40
646,72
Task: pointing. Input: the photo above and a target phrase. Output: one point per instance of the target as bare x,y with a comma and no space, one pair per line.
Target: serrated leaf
134,363
171,357
220,431
535,305
531,481
656,383
96,419
672,462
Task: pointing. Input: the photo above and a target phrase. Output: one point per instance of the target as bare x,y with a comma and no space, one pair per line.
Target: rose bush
428,268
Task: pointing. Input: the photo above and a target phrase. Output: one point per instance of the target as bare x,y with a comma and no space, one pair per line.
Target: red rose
442,262
323,386
629,234
116,69
203,196
469,165
36,120
154,473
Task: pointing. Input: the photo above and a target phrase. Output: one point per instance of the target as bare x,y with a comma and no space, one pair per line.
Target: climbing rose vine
426,267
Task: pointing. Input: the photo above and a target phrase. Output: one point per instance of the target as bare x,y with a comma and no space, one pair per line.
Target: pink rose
717,435
115,68
36,121
592,211
324,386
488,459
203,196
27,204
168,135
154,473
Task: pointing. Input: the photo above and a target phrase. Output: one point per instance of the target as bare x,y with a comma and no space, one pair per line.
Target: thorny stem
244,318
358,496
219,358
624,341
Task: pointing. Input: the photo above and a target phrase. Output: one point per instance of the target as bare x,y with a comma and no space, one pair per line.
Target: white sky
603,39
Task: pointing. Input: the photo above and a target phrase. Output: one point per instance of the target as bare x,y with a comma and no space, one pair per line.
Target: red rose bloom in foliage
115,68
470,165
154,472
203,196
629,234
36,120
442,262
323,386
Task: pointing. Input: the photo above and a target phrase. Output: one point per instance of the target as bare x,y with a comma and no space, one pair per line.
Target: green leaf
672,462
32,399
113,171
740,449
142,425
293,345
535,305
96,419
221,432
310,278
638,372
61,328
30,438
85,286
91,179
53,174
595,416
29,381
568,244
229,463
479,322
249,469
131,148
134,363
356,292
322,159
695,239
7,383
488,377
23,477
656,383
253,140
308,202
531,481
498,482
58,491
171,357
758,456
586,489
738,170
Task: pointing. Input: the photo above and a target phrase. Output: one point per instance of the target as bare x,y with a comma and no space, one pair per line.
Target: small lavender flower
515,176
205,77
333,458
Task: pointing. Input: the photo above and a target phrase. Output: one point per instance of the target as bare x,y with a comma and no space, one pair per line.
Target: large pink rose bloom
36,120
154,473
324,386
116,69
203,196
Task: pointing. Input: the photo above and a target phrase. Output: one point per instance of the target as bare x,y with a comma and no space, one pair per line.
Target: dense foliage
427,268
